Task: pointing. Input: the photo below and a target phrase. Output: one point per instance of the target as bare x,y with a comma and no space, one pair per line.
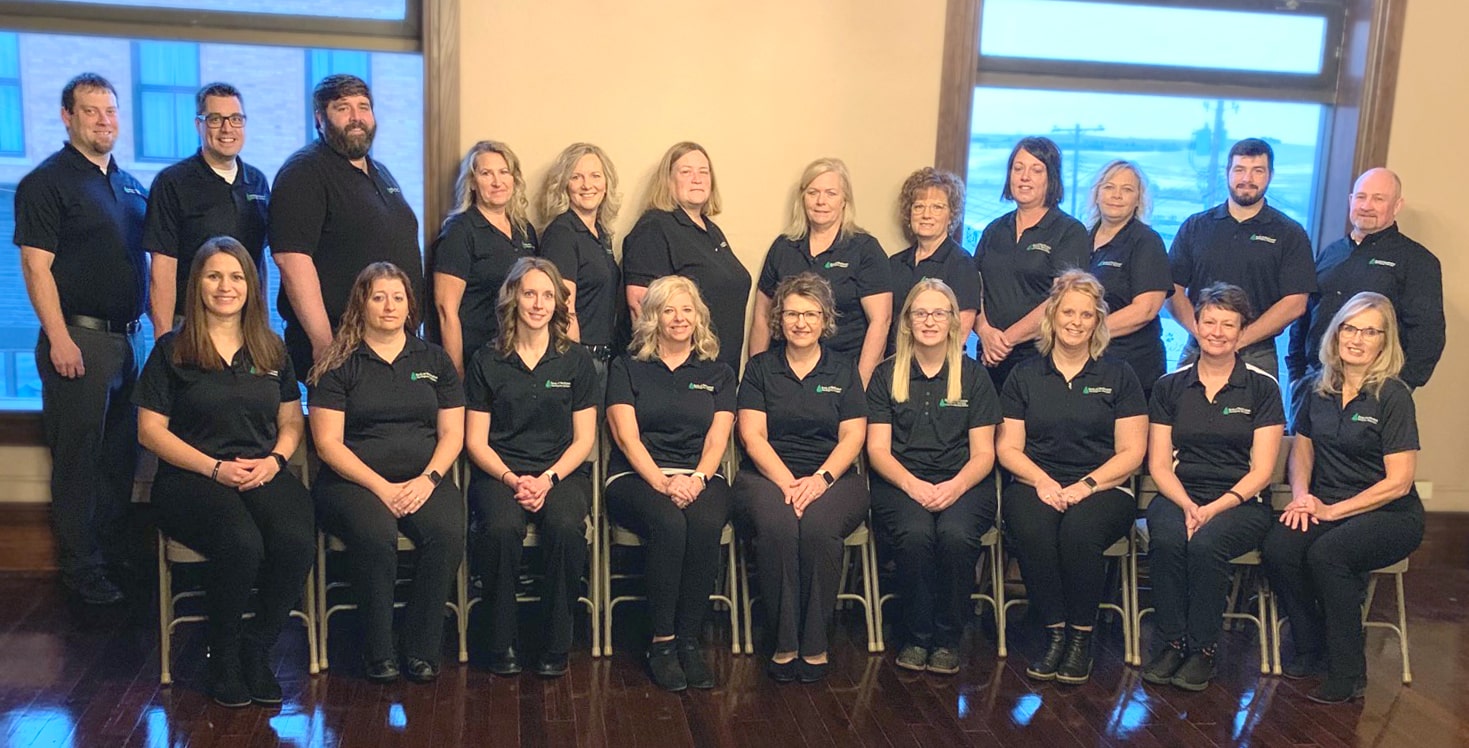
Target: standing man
1247,243
79,226
1375,256
334,212
211,193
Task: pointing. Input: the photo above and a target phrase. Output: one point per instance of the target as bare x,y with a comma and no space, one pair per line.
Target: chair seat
990,537
858,536
178,553
1400,567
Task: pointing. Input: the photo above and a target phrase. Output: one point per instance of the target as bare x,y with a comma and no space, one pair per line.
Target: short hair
923,179
223,90
808,285
1084,283
519,208
1389,361
1227,297
84,82
1045,150
508,311
1251,147
800,225
661,197
644,345
554,201
1144,191
337,86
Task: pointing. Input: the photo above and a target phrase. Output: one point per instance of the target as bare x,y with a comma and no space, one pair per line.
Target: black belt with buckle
602,353
103,325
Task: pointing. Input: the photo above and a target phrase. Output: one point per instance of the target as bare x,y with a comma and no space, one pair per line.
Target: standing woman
1075,431
1129,259
1215,434
677,236
581,192
488,230
218,403
1355,507
387,419
1020,255
802,418
532,420
931,443
670,407
823,238
931,210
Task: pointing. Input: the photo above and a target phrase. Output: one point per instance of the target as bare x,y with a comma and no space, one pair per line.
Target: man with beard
1247,243
79,226
335,210
211,193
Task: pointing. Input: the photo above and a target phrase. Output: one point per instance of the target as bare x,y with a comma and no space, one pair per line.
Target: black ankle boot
226,682
1076,664
1045,667
259,678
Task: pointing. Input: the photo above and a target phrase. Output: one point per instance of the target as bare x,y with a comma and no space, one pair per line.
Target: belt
599,352
103,325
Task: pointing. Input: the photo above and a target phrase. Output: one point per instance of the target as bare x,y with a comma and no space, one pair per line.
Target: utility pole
1076,132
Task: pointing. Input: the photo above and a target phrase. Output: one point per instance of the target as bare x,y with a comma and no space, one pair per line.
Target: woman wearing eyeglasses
931,208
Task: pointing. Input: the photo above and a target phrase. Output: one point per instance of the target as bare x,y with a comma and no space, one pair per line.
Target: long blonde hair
644,345
519,208
661,196
1389,361
1081,282
349,332
954,343
800,225
554,200
507,306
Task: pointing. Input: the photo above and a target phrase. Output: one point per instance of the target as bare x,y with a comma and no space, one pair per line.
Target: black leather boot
1045,667
1076,664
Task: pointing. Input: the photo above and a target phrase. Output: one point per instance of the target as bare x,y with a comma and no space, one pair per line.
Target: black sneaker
1304,666
226,684
695,670
913,657
259,678
1338,691
1161,669
1045,667
944,661
1076,665
1195,673
663,662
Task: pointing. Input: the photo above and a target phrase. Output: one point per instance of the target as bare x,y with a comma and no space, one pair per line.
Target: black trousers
1191,576
799,560
1061,552
498,528
370,532
92,431
1321,578
265,537
936,554
682,549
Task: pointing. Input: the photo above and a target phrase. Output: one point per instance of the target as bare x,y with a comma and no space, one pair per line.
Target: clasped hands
246,474
403,499
1306,510
681,488
1057,497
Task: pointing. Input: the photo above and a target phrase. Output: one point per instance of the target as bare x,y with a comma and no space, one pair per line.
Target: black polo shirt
949,263
1133,263
1269,256
1350,442
93,225
802,415
1390,264
473,250
344,219
674,407
856,267
225,414
392,408
1212,439
190,204
530,409
1070,427
587,261
1017,275
668,242
930,432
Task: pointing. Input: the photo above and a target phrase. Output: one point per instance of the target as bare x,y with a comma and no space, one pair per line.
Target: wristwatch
1090,483
826,476
552,476
704,479
279,460
433,477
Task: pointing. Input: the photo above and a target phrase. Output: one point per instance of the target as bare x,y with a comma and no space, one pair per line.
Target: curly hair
555,201
1081,282
508,308
349,332
812,287
924,179
644,345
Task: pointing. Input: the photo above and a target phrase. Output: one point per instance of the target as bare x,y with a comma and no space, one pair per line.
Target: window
387,10
323,62
12,120
167,75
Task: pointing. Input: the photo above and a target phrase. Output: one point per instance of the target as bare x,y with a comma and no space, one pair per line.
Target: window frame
19,111
142,88
313,76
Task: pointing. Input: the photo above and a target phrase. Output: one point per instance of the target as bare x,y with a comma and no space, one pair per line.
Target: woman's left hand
1304,512
412,493
803,491
258,472
1074,493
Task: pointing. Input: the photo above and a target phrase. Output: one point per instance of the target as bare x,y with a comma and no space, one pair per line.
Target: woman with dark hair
1354,506
531,424
931,444
1215,435
1020,255
670,408
486,232
218,403
802,419
387,419
676,235
1075,431
931,210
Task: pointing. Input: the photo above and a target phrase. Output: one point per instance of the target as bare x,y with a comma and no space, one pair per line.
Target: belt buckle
132,328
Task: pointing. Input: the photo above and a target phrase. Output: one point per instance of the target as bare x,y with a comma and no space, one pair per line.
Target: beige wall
1427,150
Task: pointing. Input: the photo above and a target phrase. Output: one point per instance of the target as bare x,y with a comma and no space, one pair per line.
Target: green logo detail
1384,263
947,403
704,387
427,375
1241,411
821,388
1096,390
831,265
1359,418
552,384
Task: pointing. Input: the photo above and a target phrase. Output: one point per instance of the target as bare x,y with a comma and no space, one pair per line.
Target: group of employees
543,336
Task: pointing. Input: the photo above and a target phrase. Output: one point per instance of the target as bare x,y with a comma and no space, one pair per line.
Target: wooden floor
73,676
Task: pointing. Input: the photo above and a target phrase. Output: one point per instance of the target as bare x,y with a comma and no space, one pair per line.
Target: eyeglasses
923,315
809,318
216,121
1367,333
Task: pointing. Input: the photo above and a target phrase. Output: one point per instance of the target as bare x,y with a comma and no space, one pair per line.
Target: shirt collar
412,345
577,224
1237,375
915,372
1121,235
682,218
80,161
1267,214
1086,368
1391,232
325,148
940,255
824,365
513,358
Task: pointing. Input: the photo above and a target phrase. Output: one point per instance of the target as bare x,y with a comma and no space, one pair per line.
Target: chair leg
1403,630
1262,592
1371,593
605,589
732,591
165,613
321,606
594,593
745,600
874,599
1236,580
461,594
1124,576
308,601
1275,634
997,578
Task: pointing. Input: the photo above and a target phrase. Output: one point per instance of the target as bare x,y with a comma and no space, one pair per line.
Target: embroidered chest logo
426,375
838,264
822,388
527,247
1039,247
947,403
552,384
394,191
1383,263
704,387
1237,411
255,198
133,191
1109,264
272,373
1359,418
1262,238
1096,390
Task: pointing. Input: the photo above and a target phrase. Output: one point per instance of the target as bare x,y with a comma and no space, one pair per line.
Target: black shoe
1045,667
913,657
944,661
226,683
419,671
1195,673
1304,666
382,671
663,663
552,665
695,670
505,663
1161,669
259,678
1335,691
811,672
1076,664
782,672
94,588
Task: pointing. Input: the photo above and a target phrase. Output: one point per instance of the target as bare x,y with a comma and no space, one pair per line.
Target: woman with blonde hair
581,197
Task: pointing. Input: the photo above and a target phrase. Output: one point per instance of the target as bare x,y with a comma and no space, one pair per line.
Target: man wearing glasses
211,193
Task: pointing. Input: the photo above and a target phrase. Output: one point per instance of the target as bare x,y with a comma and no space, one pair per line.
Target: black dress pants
1061,552
1191,575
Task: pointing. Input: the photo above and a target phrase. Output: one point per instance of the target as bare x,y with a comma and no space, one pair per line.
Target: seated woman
931,444
1355,507
670,407
531,424
1075,430
218,403
387,419
802,418
1215,435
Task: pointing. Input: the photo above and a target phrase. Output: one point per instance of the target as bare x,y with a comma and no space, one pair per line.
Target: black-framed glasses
923,315
216,121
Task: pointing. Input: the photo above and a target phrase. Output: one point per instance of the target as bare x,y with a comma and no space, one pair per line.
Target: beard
353,144
1244,200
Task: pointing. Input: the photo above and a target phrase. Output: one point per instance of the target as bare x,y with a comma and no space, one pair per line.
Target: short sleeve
1297,265
298,210
619,383
646,255
1181,255
752,387
1073,248
479,393
874,276
583,380
854,399
1149,265
964,281
769,273
161,223
724,388
984,404
330,391
1269,411
37,213
1399,419
447,389
1014,397
290,389
880,394
1163,408
1302,396
558,245
1130,400
154,390
453,248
